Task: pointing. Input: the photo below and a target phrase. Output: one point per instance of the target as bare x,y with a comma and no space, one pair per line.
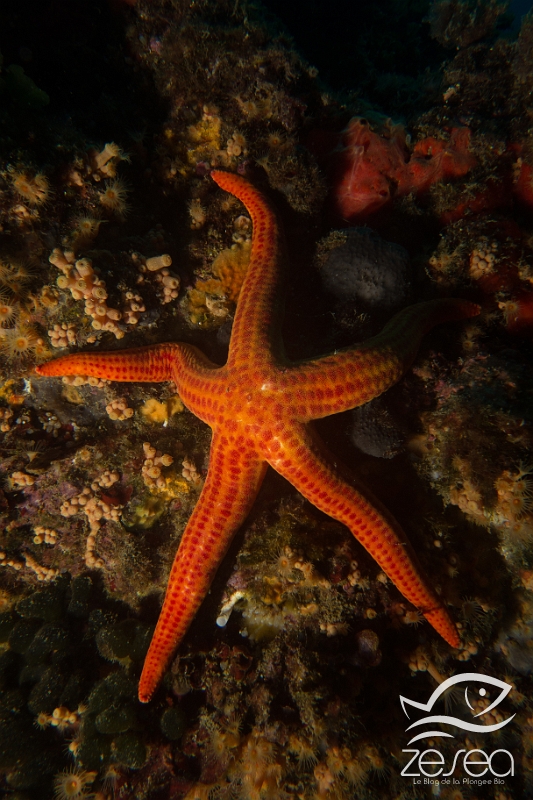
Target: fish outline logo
444,719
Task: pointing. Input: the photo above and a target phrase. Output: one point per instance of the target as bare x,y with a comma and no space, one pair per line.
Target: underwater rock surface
112,235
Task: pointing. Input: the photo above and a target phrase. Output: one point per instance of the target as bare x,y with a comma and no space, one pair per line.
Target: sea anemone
284,563
518,312
472,610
258,751
110,152
112,775
114,198
515,492
356,771
376,761
304,751
71,784
324,778
35,191
336,760
32,449
42,720
276,140
8,310
20,341
14,277
221,746
520,531
260,768
86,230
413,616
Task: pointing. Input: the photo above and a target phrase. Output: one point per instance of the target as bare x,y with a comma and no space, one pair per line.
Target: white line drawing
443,719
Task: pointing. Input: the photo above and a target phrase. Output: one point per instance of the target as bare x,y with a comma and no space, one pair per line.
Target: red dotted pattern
258,316
300,459
257,406
354,375
151,364
233,480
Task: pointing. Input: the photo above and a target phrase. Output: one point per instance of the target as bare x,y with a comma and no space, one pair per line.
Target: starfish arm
258,316
300,458
353,376
154,363
233,480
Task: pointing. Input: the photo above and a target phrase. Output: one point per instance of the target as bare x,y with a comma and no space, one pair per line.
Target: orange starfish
259,406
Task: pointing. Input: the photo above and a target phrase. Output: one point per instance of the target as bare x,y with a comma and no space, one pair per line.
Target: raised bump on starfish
257,406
